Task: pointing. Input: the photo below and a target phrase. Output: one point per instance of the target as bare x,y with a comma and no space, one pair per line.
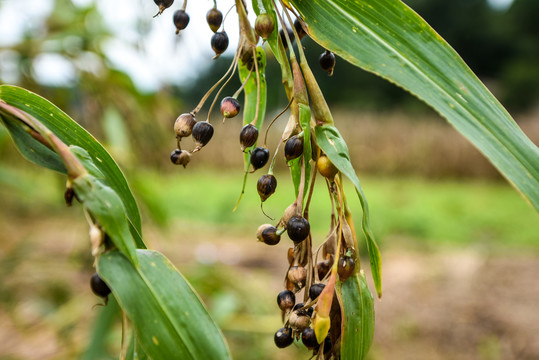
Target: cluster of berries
214,17
306,276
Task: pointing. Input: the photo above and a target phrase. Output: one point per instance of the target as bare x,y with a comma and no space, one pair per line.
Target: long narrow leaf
357,329
70,133
169,319
388,38
107,207
331,142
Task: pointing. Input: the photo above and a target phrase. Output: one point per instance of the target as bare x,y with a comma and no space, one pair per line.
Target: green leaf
357,329
108,315
389,39
169,319
250,104
276,46
135,351
250,90
331,142
107,207
31,149
70,133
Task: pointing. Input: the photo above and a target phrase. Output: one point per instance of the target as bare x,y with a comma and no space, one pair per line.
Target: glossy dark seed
181,20
163,4
283,37
259,157
293,148
286,300
309,338
283,337
214,18
267,233
346,267
266,186
98,286
248,136
315,290
323,268
298,229
299,29
327,61
202,133
219,42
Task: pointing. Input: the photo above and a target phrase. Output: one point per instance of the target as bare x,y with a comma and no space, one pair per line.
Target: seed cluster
312,274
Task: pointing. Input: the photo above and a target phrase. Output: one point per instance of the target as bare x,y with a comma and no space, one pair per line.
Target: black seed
283,337
219,42
298,229
163,4
259,157
315,290
267,233
309,338
308,312
346,267
327,61
266,186
286,300
299,29
230,107
327,344
181,20
98,286
264,25
202,133
270,237
323,268
293,148
283,37
214,18
69,195
248,136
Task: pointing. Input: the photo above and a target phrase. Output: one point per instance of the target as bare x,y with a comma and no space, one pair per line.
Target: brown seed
345,267
264,25
299,321
297,274
180,157
183,126
214,18
266,186
323,268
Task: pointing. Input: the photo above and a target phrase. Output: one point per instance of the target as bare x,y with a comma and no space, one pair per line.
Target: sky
159,58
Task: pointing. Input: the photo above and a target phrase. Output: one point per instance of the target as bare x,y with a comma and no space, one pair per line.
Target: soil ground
442,304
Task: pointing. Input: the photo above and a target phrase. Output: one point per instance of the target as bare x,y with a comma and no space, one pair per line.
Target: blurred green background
460,246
